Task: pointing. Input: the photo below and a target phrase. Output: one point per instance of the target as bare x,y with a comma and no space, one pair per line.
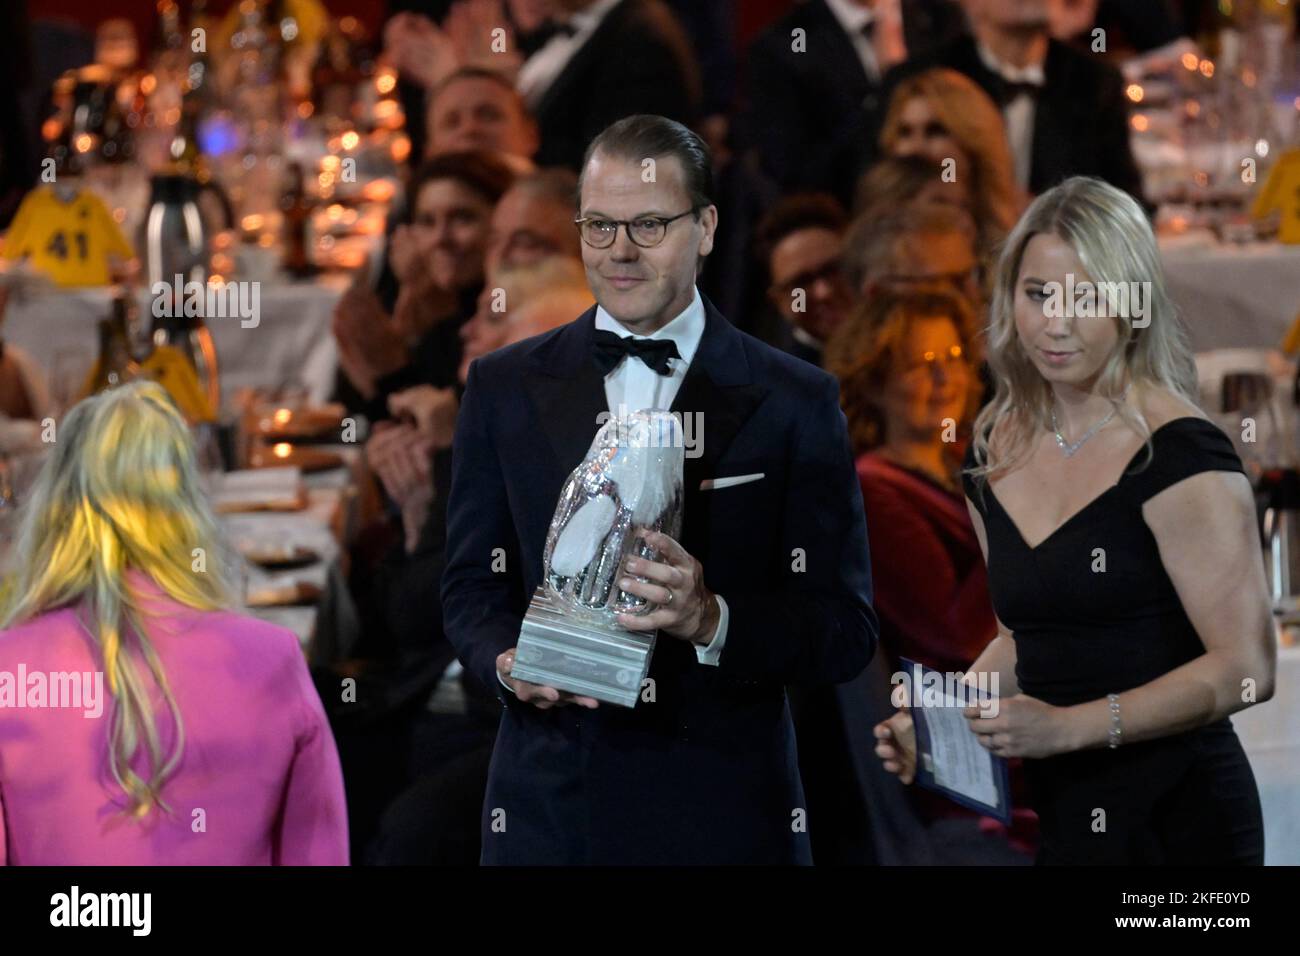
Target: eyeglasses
829,272
932,359
645,231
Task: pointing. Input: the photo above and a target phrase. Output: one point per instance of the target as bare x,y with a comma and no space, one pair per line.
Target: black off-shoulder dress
1081,633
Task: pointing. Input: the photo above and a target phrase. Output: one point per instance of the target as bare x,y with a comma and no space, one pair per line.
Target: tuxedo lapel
1056,120
716,398
556,94
834,51
568,390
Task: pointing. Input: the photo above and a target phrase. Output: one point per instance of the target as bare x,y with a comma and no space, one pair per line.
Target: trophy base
594,660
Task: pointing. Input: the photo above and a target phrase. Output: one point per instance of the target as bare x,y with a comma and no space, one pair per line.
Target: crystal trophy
629,482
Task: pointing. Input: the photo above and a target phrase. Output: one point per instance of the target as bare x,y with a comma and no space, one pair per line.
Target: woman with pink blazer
140,721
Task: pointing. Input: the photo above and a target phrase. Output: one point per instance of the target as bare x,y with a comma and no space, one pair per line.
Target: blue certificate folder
917,678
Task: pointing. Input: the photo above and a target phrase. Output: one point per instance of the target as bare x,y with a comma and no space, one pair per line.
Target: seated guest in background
906,364
201,707
512,289
437,257
450,732
1065,111
941,115
403,657
814,98
534,220
479,109
799,242
919,244
896,182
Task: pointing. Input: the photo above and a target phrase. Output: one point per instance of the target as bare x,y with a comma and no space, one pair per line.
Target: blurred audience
437,258
1065,111
897,182
918,244
512,290
439,723
588,62
533,220
479,109
605,60
942,116
813,85
799,243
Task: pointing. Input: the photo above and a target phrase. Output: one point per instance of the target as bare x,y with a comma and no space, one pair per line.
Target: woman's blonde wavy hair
975,122
1113,239
120,491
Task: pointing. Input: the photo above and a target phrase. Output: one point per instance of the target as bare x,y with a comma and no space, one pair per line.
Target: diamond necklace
1069,448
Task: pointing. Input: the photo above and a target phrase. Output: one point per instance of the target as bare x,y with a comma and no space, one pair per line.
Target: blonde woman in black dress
1124,559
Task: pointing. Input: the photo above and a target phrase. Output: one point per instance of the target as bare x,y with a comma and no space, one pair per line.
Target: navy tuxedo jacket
707,772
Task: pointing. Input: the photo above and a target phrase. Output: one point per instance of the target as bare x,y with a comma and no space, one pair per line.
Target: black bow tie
611,348
530,43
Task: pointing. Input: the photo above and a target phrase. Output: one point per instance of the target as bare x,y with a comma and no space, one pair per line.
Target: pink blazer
259,782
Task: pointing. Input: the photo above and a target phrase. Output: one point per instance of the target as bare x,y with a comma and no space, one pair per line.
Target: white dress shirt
1020,112
631,386
854,19
546,64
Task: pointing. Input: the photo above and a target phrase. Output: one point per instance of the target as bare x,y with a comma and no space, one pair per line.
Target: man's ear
709,223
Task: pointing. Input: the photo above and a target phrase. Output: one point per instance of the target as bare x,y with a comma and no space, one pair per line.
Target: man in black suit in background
1065,110
813,86
606,59
769,584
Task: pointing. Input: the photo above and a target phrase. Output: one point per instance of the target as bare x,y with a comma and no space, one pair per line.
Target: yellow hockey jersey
68,241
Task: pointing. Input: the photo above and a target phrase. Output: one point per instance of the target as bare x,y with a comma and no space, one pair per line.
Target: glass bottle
115,365
296,212
184,362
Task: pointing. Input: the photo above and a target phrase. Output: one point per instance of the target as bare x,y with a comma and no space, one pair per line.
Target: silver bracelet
1115,734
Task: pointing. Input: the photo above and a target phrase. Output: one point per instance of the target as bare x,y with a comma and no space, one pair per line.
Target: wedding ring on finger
670,597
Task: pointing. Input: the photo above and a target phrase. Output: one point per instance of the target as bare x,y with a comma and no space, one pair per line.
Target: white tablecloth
1234,296
1270,733
290,346
328,629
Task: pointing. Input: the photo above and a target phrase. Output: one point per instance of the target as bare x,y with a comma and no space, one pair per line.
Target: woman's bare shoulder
1160,405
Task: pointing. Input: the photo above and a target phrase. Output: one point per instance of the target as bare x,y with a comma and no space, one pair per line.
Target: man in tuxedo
813,93
770,581
1066,113
605,59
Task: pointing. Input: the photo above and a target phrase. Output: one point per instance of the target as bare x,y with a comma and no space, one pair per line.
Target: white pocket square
708,484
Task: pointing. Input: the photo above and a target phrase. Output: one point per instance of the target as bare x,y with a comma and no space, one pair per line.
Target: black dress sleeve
1180,449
